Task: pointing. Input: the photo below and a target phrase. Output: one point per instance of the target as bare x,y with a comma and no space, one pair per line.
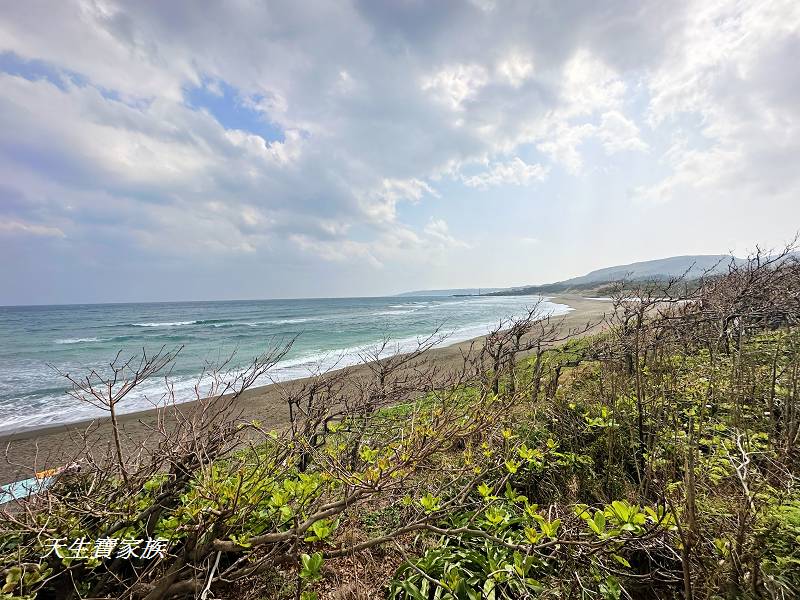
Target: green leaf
532,535
320,530
621,509
512,495
550,528
600,521
496,515
489,589
621,560
593,526
412,590
12,579
311,566
582,510
429,503
367,455
484,490
525,453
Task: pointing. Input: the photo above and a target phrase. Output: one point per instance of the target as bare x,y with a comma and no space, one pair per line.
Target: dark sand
34,450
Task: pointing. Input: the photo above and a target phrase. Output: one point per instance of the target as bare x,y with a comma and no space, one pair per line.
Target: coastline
49,446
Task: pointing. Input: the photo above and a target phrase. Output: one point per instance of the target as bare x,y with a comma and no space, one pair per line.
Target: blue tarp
24,488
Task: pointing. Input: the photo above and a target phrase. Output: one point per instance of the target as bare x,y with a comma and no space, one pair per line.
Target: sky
154,151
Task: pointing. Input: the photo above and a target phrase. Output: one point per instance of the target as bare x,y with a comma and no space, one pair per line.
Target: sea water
38,341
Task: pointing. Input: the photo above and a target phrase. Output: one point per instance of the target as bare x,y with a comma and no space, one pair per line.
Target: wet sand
24,453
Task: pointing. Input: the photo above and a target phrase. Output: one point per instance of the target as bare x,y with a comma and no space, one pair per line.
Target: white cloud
381,204
438,230
619,133
20,228
284,153
337,250
562,144
513,172
99,40
408,189
515,69
590,85
485,5
712,170
455,84
103,133
732,69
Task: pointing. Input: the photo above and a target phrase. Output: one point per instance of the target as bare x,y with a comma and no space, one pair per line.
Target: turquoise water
76,338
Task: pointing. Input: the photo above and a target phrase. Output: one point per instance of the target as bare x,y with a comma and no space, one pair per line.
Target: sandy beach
34,450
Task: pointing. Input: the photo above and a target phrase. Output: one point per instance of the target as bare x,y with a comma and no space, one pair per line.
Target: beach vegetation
651,455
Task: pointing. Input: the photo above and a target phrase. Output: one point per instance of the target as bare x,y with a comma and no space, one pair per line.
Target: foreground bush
657,459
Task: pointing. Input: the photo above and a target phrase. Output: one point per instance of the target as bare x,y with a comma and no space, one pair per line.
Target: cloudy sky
198,150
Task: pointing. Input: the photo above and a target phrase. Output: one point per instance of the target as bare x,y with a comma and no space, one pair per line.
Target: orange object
48,472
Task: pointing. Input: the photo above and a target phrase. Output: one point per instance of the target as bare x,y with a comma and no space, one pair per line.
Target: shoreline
48,446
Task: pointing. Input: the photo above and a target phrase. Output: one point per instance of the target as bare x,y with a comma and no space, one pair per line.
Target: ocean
37,340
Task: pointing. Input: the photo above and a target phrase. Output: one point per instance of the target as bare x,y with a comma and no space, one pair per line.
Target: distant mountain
452,292
692,265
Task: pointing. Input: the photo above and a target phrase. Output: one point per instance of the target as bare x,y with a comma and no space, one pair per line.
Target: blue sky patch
34,70
229,109
37,70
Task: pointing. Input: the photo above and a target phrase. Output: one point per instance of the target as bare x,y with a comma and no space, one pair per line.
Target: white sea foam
81,340
165,324
291,321
268,322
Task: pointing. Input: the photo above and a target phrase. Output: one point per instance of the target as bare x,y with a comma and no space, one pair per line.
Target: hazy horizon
196,151
400,293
